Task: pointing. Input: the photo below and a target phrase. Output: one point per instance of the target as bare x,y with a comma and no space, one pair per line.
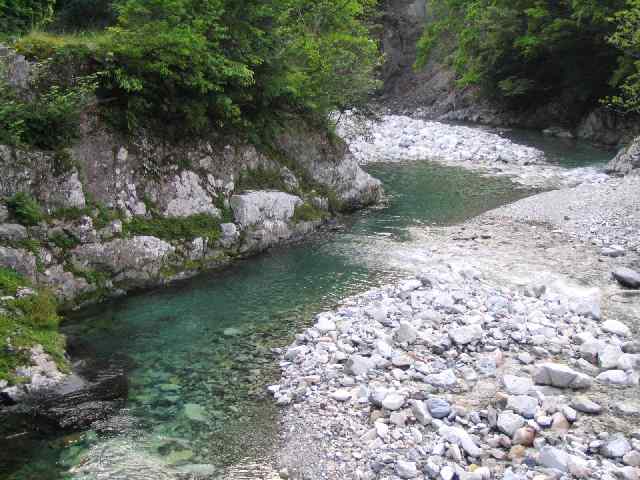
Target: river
198,355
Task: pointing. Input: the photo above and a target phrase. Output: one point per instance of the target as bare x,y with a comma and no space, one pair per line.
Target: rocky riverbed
397,138
512,352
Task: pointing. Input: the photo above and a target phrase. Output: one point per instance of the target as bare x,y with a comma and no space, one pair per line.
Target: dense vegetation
527,52
188,67
27,318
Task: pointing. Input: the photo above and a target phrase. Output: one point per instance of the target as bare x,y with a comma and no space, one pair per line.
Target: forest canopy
527,51
202,65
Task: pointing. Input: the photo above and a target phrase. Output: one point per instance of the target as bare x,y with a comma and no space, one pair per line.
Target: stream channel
198,355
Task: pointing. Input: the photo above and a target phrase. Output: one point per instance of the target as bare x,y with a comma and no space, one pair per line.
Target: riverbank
398,138
512,353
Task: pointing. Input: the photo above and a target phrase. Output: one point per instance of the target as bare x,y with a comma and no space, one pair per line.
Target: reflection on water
198,355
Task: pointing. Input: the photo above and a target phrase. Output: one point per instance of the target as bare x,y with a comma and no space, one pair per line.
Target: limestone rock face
627,160
255,208
184,196
19,260
329,162
133,261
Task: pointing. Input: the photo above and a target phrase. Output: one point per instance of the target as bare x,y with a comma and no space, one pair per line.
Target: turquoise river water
197,355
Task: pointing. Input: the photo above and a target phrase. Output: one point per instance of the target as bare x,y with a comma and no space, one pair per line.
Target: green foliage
82,15
25,209
175,229
64,241
10,281
38,311
49,120
26,322
18,16
526,52
261,179
190,67
627,39
308,213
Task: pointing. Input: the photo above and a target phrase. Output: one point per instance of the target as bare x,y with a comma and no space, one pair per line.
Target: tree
627,39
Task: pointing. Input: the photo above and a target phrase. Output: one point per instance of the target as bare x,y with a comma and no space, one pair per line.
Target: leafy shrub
39,311
82,15
64,241
527,52
171,229
308,213
10,281
22,15
261,179
50,121
627,77
25,209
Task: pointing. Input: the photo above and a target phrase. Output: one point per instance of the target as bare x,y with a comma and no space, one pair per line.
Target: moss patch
25,322
308,213
175,229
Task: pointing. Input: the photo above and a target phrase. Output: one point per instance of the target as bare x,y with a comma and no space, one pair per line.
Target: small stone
616,447
444,379
609,356
341,395
632,458
458,436
325,324
561,376
559,422
419,410
438,407
585,405
406,333
466,335
406,469
614,377
359,366
616,327
508,423
393,401
517,385
627,277
524,436
523,405
555,458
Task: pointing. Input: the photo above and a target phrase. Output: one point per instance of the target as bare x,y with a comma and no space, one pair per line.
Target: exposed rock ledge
627,160
83,257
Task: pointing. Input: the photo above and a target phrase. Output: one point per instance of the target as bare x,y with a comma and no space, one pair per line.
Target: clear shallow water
198,354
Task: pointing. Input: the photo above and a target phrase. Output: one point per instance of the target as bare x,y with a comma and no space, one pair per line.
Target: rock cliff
431,92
